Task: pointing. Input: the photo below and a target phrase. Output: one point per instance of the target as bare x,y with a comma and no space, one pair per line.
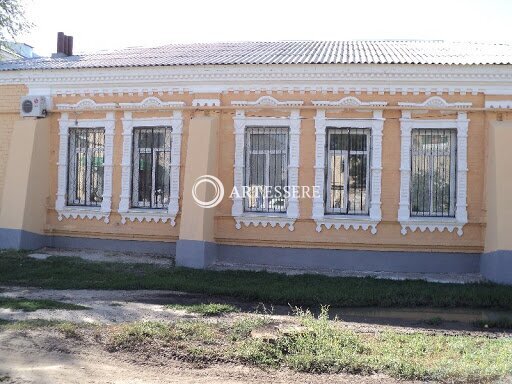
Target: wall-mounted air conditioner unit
33,106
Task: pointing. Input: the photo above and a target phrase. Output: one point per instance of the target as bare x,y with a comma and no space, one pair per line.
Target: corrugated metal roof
283,52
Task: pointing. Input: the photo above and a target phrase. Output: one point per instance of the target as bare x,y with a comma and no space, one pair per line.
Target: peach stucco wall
304,235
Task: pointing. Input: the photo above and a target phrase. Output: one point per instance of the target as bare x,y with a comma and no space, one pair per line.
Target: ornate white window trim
156,215
435,102
407,124
152,102
240,123
376,125
86,104
99,213
268,101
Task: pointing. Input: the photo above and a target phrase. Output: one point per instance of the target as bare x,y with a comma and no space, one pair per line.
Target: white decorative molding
99,213
292,211
349,101
125,210
264,101
499,104
264,221
152,102
147,215
355,222
206,103
376,125
436,102
359,78
407,124
86,104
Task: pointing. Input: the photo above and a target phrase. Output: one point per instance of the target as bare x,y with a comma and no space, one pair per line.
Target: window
266,162
348,171
433,159
151,177
267,153
86,164
433,168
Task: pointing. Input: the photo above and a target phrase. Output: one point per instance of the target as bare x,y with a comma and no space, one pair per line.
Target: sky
107,24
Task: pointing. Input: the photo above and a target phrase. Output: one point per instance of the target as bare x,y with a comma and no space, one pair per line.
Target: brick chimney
64,45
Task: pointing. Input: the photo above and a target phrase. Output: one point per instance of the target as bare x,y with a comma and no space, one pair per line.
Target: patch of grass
4,378
434,321
321,345
299,290
31,305
22,325
130,335
210,309
501,323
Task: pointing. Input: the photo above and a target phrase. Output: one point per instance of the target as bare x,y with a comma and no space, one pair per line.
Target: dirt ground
47,356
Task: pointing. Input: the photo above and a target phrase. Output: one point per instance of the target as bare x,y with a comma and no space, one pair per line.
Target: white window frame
132,214
241,122
266,153
407,124
344,154
63,210
376,125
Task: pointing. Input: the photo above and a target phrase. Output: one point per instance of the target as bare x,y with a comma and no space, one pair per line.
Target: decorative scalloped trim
349,101
86,104
148,217
206,103
268,101
83,214
499,104
152,102
347,224
431,226
437,102
265,221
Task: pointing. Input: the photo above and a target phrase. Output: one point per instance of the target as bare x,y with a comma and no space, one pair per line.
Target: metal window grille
151,165
86,151
266,169
433,162
348,168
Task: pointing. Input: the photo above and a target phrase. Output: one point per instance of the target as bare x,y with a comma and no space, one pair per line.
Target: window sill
265,219
148,215
432,223
347,221
83,213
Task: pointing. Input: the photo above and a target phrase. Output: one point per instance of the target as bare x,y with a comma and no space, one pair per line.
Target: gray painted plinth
497,266
19,239
348,260
154,247
195,253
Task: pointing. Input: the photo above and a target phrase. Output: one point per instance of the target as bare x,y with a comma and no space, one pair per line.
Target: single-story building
342,155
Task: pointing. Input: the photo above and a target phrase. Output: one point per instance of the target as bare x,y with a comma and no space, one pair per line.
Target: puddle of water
422,314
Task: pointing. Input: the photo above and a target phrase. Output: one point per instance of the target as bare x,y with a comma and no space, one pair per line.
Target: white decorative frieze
349,101
376,126
266,101
63,210
498,104
140,215
206,103
152,102
265,221
434,102
241,121
86,104
460,124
